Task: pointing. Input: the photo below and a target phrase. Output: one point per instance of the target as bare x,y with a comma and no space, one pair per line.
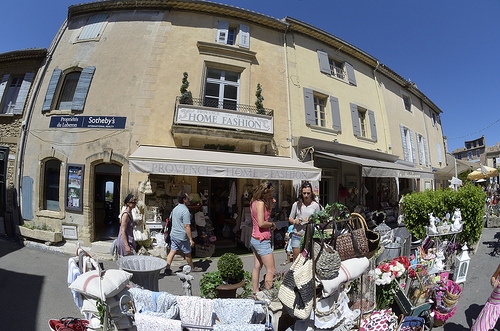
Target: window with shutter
406,101
334,104
23,93
244,36
13,86
336,68
93,27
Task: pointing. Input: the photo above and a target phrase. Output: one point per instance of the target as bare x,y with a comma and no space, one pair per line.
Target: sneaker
168,272
196,269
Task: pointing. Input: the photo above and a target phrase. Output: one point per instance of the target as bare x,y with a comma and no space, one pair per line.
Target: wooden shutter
82,88
244,37
373,126
309,106
3,85
23,93
350,73
324,64
403,139
412,147
93,27
334,104
440,158
420,152
425,153
222,32
51,90
27,196
355,120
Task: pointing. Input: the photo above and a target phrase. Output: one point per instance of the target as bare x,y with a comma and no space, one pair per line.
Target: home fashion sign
223,118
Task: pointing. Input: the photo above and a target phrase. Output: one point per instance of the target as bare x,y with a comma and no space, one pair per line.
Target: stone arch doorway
107,180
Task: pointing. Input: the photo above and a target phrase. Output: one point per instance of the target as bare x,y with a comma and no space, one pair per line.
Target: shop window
68,91
221,89
51,177
13,93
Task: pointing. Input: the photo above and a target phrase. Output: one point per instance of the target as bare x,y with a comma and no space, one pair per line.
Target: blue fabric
183,245
261,247
180,216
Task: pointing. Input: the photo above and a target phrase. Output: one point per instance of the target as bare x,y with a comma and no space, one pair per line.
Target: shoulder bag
327,259
348,241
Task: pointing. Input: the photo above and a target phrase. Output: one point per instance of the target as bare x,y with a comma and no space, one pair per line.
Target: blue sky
449,48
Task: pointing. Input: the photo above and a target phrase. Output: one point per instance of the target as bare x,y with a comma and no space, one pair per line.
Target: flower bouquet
386,276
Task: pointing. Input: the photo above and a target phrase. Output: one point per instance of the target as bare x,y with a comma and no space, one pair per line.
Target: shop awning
377,168
190,162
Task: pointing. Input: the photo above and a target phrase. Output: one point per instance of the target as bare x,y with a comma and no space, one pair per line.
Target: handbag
351,242
327,259
372,236
296,292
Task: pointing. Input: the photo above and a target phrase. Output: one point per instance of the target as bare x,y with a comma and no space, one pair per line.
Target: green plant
229,271
469,198
101,309
38,226
230,267
260,98
186,97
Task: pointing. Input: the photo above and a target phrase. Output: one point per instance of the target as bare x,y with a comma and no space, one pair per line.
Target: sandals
285,263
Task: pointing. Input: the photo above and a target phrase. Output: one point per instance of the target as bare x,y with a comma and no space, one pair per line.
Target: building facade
18,70
111,117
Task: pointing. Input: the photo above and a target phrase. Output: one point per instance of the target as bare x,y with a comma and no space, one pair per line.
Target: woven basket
372,236
452,294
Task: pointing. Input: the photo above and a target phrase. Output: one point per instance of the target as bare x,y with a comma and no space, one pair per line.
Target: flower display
384,275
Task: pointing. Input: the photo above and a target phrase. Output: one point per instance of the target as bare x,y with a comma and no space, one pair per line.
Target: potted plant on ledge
228,278
41,232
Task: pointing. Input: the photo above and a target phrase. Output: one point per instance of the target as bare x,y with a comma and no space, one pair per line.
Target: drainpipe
29,110
288,91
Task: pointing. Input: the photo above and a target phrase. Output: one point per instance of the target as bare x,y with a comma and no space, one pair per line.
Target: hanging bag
372,236
349,242
327,259
296,293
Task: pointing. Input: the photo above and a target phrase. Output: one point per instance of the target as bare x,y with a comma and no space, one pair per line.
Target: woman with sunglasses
260,208
299,215
126,243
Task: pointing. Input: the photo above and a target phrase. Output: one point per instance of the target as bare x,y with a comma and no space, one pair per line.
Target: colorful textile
145,322
195,310
234,311
383,320
155,303
489,315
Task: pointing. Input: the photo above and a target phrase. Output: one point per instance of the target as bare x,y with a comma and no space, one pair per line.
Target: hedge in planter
469,198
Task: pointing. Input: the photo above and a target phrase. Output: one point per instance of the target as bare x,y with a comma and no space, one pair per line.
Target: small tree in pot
229,276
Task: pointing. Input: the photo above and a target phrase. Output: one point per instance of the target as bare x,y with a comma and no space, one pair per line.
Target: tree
260,98
186,97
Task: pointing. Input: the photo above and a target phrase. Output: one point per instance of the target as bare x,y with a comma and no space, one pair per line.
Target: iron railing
338,72
229,105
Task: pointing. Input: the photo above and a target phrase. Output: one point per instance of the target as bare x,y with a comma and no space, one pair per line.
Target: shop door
107,201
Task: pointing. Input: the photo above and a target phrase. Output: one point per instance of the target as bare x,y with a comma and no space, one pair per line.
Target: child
288,244
491,310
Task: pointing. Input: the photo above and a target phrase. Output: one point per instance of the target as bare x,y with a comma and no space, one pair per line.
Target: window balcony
225,114
337,72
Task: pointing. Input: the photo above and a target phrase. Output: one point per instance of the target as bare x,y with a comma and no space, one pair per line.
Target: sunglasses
306,185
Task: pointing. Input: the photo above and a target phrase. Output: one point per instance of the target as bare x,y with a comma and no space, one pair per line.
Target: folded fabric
73,273
160,303
195,310
239,327
331,311
145,322
234,311
349,269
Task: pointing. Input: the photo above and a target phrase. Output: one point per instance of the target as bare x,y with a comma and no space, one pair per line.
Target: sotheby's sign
223,118
96,122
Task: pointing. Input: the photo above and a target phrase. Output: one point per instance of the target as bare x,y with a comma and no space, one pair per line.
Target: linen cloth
195,310
145,322
234,311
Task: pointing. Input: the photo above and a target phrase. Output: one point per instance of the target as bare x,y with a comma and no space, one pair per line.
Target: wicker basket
372,236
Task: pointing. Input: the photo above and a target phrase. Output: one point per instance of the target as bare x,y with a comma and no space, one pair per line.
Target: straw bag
452,294
372,236
327,259
351,242
296,292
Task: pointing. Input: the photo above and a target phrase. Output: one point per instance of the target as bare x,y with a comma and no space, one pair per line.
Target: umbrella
482,173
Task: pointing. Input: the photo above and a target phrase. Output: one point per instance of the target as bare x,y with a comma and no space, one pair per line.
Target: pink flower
385,267
412,273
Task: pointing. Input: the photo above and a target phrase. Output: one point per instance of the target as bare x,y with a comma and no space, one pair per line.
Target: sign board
96,122
223,118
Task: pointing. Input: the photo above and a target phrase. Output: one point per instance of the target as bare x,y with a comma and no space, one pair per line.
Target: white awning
377,168
190,162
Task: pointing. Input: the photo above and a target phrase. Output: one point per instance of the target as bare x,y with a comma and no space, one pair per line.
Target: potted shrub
228,278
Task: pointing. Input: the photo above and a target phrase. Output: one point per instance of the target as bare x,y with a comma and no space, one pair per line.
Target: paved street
33,284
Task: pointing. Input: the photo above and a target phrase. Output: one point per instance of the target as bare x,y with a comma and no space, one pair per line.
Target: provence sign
95,122
223,118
